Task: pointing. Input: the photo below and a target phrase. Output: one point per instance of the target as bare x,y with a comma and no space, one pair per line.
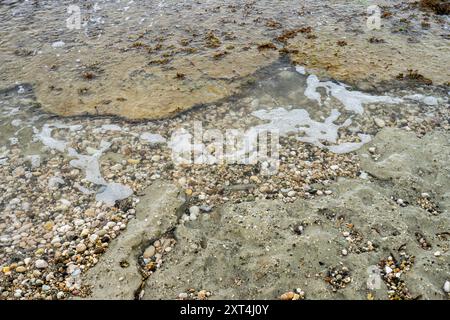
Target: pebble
93,238
149,252
202,295
379,122
437,254
84,233
287,296
183,295
194,210
81,248
41,264
291,194
21,269
447,286
344,252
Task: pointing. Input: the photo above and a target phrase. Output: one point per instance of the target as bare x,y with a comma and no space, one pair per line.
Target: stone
90,212
183,295
291,194
447,286
41,264
21,269
149,252
379,122
93,238
133,161
287,296
84,233
49,225
194,210
81,248
202,295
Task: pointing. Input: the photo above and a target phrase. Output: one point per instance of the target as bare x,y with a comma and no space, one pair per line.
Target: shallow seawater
281,98
152,59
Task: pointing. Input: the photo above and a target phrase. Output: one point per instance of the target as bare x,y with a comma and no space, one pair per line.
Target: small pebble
81,248
183,295
447,286
41,264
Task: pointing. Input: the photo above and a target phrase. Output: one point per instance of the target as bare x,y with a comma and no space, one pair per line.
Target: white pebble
41,264
194,210
183,295
447,286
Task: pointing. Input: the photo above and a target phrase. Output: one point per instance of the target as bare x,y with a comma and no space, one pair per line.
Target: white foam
347,147
58,44
55,182
428,100
88,163
45,136
300,69
35,160
153,138
298,121
108,127
83,190
114,192
352,100
16,122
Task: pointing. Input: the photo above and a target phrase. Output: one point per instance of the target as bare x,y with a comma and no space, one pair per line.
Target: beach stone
41,264
379,122
447,286
194,210
81,248
21,269
149,252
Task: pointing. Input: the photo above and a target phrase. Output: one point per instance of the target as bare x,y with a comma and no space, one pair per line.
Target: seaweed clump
437,6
